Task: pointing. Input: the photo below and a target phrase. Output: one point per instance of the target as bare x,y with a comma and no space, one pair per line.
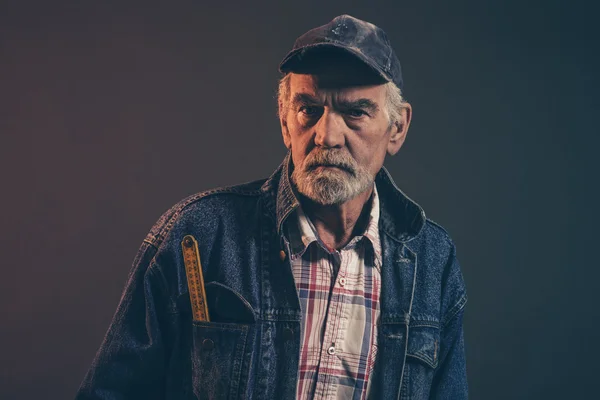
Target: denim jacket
250,348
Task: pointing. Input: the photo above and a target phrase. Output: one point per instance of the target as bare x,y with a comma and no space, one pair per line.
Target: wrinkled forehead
334,86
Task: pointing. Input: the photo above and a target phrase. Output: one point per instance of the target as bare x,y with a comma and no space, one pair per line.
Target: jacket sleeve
130,363
450,379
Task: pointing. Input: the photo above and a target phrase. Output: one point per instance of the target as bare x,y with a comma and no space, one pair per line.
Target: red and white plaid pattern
339,294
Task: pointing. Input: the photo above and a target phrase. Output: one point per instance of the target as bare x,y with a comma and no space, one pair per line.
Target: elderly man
323,281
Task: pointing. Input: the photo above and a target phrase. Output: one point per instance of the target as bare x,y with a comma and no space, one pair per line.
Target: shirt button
331,350
342,281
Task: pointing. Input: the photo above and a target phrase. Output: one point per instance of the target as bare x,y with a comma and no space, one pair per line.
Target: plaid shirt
339,295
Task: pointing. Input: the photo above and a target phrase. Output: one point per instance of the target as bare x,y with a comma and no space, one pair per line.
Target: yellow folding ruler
193,270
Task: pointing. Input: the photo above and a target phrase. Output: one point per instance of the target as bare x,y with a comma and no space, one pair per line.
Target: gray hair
393,107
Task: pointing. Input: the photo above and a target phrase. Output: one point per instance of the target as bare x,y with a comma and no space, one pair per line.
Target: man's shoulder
432,236
435,249
437,231
439,272
206,205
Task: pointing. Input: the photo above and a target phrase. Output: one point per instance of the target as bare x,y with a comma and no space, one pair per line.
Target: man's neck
337,224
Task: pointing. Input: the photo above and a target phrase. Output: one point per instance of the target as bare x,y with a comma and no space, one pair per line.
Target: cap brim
298,59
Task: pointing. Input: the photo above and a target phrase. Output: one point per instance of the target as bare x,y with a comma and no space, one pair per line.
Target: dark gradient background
112,112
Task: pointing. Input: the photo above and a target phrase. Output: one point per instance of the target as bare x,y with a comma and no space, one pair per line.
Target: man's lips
323,166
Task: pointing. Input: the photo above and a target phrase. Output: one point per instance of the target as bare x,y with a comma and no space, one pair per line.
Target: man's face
338,131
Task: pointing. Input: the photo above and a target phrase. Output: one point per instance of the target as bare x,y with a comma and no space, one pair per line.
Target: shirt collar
301,232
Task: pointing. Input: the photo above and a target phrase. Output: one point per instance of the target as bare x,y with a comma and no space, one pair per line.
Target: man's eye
309,110
356,113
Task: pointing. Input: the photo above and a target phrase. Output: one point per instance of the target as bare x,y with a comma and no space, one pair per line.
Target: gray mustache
330,159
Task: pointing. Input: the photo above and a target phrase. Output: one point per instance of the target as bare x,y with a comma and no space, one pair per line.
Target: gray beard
331,186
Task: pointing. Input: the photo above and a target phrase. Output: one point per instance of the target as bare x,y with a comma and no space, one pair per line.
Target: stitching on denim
444,231
454,310
394,319
282,317
262,382
387,176
146,240
284,194
265,283
423,324
231,326
155,269
157,239
237,294
237,364
412,296
289,198
247,367
404,383
262,357
425,355
423,358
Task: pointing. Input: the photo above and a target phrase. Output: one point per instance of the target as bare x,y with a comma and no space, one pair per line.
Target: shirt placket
335,330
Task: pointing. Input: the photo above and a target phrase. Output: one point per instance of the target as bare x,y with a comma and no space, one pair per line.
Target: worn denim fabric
250,348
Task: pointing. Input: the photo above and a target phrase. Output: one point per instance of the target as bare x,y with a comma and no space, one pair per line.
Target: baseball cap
350,35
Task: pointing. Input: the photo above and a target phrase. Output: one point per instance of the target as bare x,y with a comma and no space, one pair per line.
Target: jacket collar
400,217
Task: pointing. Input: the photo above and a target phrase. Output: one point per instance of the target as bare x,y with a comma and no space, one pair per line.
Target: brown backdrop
104,105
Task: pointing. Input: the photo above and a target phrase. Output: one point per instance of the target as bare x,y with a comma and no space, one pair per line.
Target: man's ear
399,130
284,128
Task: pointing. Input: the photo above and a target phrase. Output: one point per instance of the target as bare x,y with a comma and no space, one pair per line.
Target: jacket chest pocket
220,353
222,348
421,361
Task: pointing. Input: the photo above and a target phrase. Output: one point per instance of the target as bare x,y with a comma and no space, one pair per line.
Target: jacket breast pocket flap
423,345
227,305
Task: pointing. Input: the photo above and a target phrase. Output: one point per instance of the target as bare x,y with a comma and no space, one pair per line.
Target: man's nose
329,130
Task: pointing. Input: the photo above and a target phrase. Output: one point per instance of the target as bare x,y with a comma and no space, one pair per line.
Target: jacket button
208,344
282,255
288,334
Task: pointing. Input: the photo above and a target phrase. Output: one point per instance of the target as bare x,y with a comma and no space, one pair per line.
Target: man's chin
324,193
324,200
326,185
